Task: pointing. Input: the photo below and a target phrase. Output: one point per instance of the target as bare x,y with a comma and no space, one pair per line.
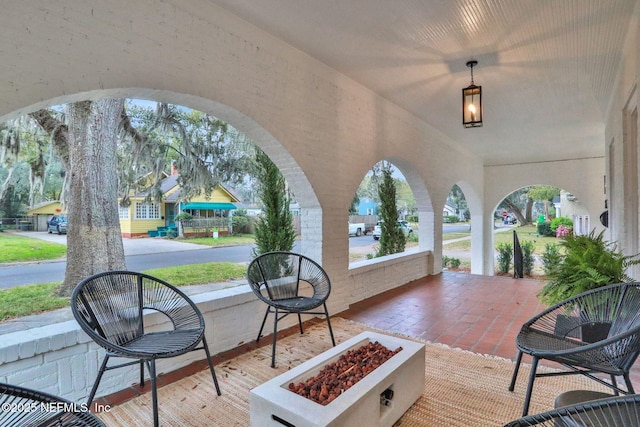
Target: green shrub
411,218
544,229
561,220
450,262
527,257
504,257
450,218
242,224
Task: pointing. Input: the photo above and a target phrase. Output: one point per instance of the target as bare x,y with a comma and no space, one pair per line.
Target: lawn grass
197,274
32,299
525,233
14,248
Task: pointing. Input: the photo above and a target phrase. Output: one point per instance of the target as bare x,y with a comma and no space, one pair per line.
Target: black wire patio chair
619,411
110,308
289,283
595,332
24,407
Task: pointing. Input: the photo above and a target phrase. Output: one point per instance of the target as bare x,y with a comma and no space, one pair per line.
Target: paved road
140,254
23,274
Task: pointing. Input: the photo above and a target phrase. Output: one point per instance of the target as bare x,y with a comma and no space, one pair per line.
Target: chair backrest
110,306
619,411
609,315
279,275
25,407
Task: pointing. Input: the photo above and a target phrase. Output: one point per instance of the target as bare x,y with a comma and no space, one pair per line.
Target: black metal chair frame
283,298
22,406
619,411
110,308
556,334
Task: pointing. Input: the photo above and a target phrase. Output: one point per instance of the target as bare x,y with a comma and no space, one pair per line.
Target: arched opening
456,232
528,225
294,176
366,214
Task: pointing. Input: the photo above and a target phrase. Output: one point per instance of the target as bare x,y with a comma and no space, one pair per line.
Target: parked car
57,224
404,225
357,229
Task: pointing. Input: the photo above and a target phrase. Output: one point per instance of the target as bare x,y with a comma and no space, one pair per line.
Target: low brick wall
61,359
372,277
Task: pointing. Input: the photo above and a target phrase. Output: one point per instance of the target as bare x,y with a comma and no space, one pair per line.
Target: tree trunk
528,208
516,211
94,242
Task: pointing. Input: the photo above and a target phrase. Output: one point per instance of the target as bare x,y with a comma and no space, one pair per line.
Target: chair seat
611,411
283,280
110,307
297,303
35,408
576,397
158,345
595,332
546,346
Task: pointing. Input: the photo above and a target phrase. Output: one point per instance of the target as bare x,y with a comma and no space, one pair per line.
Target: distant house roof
171,190
51,207
166,185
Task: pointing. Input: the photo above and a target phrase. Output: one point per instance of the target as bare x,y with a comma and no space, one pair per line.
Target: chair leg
264,319
275,336
532,377
300,323
151,365
94,389
614,382
326,313
627,380
515,371
213,373
141,373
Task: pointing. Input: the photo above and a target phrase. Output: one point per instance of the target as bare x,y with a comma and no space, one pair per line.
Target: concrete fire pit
379,399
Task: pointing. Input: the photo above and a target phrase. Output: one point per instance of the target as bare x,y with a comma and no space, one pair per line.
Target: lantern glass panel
472,106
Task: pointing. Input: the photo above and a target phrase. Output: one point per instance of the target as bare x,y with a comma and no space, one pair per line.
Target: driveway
140,246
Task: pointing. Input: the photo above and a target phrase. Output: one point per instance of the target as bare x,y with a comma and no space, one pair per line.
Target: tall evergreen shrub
274,228
392,238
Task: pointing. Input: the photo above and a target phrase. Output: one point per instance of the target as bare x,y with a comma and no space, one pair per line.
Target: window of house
147,210
123,213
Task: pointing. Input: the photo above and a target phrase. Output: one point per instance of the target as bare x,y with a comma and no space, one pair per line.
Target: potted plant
585,263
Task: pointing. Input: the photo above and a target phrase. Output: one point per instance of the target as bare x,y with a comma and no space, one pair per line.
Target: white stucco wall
323,130
623,172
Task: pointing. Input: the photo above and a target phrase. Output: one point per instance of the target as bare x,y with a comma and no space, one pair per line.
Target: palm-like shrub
586,262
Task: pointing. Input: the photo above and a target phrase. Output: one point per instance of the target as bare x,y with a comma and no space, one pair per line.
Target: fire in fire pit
339,376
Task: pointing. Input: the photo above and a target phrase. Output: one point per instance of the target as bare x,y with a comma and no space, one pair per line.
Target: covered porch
475,313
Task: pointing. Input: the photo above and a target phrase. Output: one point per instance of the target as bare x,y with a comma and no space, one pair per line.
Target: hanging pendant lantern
472,102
